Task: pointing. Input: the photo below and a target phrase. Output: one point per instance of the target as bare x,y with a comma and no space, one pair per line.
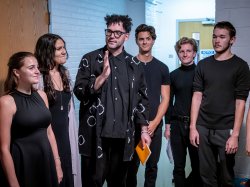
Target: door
22,23
202,32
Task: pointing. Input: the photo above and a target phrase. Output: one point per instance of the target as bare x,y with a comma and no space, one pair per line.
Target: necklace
60,89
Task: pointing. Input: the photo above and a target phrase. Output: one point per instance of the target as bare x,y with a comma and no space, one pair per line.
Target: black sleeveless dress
30,147
60,125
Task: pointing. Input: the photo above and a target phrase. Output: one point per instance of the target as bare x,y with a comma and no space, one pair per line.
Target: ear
127,36
232,40
194,55
16,73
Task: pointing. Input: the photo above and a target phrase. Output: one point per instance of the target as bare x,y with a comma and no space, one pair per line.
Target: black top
60,124
157,74
181,93
221,82
116,116
30,147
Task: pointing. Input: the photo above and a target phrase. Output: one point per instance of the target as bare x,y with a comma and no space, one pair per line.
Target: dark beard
223,51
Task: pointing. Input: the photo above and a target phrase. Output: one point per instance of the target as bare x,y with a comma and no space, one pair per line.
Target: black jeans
211,151
151,165
180,142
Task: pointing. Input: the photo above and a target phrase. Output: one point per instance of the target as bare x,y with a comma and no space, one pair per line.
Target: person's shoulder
239,59
156,60
132,60
207,60
130,57
7,102
160,63
94,52
43,95
175,72
6,99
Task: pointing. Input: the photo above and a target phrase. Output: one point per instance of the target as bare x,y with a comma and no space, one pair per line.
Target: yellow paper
143,154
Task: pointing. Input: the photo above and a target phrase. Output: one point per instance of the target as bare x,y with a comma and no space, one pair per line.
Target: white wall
81,23
238,12
136,10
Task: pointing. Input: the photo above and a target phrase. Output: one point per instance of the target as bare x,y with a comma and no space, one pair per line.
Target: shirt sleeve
85,80
165,75
142,109
242,82
170,107
198,84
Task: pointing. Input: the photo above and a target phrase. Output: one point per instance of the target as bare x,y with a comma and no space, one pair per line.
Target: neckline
230,58
192,66
145,63
23,94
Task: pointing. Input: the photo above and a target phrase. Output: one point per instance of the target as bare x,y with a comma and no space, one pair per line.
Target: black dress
60,125
30,148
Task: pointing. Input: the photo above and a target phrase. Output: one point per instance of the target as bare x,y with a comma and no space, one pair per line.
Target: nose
63,51
37,70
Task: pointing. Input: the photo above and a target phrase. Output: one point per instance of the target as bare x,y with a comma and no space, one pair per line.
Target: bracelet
144,131
57,158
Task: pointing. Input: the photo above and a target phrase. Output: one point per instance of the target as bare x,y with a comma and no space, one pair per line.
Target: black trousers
110,166
180,142
151,165
211,151
88,170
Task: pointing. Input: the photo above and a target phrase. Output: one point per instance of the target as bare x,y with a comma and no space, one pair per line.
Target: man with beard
112,89
221,86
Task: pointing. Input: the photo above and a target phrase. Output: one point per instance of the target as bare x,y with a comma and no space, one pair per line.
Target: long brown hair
16,61
45,53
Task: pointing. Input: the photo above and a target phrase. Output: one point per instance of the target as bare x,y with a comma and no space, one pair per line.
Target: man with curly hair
111,87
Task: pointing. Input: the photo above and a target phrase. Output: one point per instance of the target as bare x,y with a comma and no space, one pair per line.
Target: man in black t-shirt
157,78
221,86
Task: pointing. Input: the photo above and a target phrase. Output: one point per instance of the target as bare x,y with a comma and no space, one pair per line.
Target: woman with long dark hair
51,54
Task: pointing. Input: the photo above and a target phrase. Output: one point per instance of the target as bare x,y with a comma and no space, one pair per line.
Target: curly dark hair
124,19
45,53
226,25
145,28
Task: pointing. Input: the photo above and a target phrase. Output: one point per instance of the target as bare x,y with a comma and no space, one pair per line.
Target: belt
184,119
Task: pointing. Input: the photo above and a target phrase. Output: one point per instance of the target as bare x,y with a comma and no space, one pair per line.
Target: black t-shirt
221,83
157,74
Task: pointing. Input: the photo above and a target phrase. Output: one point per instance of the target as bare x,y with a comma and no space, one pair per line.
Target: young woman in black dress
28,149
51,54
